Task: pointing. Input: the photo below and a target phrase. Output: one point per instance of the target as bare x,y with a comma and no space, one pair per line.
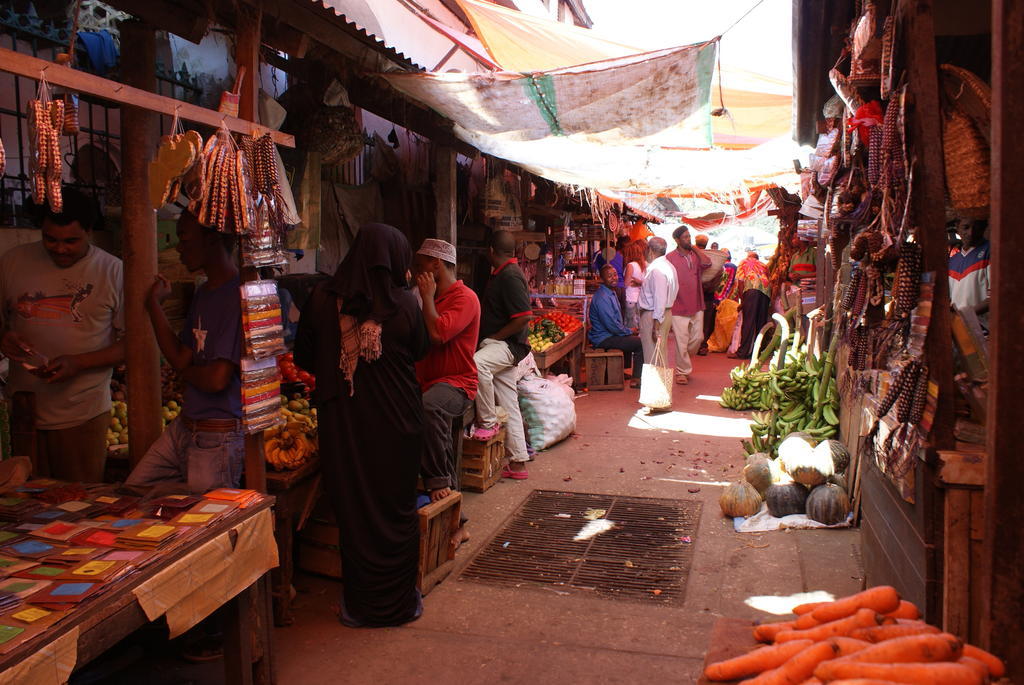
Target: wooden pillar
1003,555
925,124
445,193
248,38
247,54
138,221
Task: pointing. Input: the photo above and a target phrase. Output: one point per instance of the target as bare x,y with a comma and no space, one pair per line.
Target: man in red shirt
447,375
688,308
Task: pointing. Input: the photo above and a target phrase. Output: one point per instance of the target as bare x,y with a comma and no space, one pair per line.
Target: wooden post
138,219
445,194
247,54
1003,551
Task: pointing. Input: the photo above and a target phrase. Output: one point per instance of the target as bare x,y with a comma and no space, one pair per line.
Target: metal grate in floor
641,556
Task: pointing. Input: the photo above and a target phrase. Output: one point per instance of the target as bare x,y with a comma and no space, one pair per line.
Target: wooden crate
482,462
438,522
604,369
318,543
318,548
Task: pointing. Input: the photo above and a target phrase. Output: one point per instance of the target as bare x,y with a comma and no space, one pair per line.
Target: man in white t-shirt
657,293
63,314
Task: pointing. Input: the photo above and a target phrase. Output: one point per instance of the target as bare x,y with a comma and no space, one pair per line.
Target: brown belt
212,425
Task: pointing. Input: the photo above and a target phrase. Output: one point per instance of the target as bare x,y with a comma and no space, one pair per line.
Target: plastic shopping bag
548,411
656,381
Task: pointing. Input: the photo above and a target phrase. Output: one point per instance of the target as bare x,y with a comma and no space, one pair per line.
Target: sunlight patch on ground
782,605
694,424
695,482
710,398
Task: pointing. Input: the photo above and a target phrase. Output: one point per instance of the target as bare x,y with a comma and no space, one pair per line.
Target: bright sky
761,43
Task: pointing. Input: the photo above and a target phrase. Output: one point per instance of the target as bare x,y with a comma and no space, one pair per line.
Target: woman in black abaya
360,335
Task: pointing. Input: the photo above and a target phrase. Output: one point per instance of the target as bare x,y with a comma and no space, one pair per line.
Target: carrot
811,681
979,666
915,673
757,661
889,632
912,649
844,626
797,669
863,681
845,646
806,621
905,610
766,632
882,598
996,667
801,609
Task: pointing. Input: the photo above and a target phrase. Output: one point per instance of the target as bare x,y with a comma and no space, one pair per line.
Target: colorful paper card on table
190,519
31,614
58,530
28,527
74,505
98,538
23,588
31,549
49,515
74,555
43,571
8,633
63,592
10,565
8,535
102,570
133,555
155,532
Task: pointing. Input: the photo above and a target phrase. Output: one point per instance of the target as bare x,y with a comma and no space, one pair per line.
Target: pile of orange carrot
870,638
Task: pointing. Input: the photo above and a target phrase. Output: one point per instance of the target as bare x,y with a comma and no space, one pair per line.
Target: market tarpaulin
759,108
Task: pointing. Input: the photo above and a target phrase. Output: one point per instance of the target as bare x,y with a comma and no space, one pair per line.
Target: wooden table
571,347
296,492
114,614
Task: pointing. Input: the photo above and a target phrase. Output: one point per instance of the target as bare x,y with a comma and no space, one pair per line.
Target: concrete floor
474,633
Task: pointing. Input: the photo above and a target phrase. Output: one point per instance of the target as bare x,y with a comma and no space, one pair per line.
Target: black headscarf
368,281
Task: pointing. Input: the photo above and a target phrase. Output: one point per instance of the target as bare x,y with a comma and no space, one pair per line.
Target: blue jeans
204,460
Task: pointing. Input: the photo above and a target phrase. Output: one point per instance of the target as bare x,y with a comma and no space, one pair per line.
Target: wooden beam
956,567
445,194
188,20
138,221
1003,555
376,96
82,82
962,468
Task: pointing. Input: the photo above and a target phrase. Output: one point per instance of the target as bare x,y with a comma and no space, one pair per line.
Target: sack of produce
548,411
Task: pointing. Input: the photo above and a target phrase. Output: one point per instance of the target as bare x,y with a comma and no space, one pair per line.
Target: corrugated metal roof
359,33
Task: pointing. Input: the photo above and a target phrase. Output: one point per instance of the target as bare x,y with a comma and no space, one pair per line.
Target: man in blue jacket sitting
606,329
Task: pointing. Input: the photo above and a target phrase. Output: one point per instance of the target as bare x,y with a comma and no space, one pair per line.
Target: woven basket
334,133
967,162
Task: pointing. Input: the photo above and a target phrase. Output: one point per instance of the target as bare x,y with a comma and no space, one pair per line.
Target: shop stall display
72,555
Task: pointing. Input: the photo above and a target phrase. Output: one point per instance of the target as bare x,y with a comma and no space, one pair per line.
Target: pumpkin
828,504
779,475
837,450
839,480
740,499
787,499
758,474
803,462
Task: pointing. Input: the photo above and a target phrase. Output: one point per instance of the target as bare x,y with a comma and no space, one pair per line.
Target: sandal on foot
514,475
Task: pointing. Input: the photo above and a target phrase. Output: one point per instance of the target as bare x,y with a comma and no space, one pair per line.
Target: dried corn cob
920,397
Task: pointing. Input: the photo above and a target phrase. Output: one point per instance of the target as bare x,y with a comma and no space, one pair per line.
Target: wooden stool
482,462
459,424
438,522
604,369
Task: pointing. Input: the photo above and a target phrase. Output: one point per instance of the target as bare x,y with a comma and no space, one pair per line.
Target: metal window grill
92,156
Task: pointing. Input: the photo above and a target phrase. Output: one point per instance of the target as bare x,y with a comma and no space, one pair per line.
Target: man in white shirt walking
657,293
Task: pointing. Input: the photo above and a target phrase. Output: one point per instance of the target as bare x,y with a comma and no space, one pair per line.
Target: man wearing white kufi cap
448,374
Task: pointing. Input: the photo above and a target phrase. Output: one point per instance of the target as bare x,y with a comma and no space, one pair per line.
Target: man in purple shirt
688,308
204,447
